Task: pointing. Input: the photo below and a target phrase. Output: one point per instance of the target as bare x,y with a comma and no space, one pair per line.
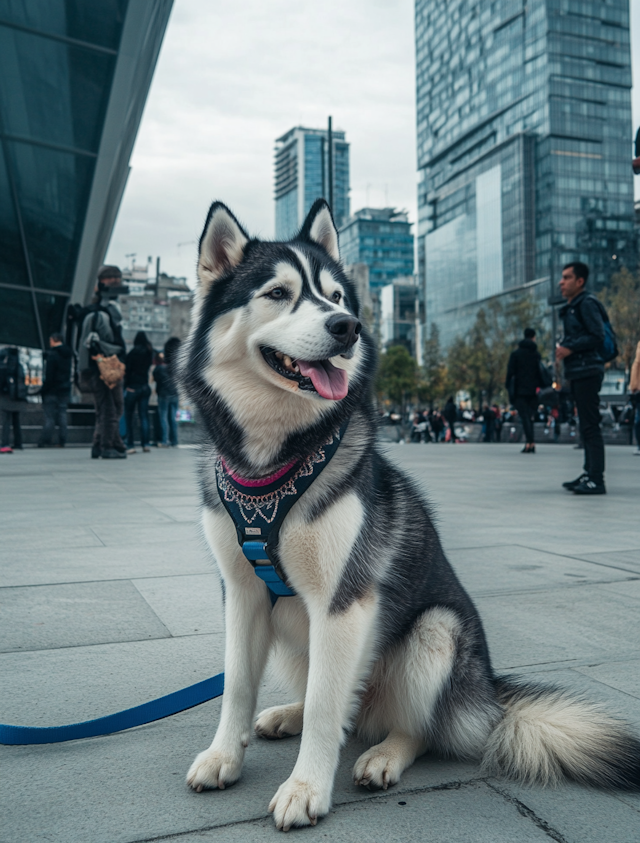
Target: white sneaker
131,450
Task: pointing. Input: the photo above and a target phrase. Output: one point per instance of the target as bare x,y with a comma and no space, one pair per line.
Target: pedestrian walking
579,348
167,392
13,395
450,413
634,390
488,424
101,338
524,378
56,390
137,390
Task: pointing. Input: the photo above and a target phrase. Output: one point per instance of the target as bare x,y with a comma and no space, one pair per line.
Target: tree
432,383
397,375
622,300
478,363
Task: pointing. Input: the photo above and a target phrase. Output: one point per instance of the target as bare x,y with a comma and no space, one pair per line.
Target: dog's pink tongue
328,380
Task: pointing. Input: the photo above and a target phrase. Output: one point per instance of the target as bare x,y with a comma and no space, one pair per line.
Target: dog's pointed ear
320,228
221,246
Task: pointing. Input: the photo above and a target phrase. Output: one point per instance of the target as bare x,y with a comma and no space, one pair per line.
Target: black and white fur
381,634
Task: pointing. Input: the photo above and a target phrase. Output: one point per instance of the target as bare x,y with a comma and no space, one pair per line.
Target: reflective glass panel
86,20
52,188
51,311
53,92
12,266
17,319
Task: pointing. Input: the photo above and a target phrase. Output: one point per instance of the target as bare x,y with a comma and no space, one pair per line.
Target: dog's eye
336,297
277,293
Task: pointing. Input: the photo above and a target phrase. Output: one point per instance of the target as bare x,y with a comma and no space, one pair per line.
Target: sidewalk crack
527,812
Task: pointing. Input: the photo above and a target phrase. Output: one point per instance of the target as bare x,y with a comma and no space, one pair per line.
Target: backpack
608,349
12,380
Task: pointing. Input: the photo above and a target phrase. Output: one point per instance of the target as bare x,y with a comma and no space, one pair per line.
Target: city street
109,599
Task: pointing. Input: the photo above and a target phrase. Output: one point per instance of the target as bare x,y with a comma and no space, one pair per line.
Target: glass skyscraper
74,77
382,239
524,136
301,177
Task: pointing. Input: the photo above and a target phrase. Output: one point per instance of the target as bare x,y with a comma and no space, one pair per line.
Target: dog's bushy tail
548,734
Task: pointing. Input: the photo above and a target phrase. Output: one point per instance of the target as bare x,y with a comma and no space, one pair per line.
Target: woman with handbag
100,354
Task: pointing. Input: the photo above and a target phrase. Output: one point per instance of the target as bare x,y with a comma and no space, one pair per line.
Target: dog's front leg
338,651
248,637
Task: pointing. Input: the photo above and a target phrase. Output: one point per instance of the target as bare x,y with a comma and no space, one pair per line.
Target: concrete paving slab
21,567
624,676
32,538
472,812
186,605
578,816
628,559
144,534
552,626
486,570
51,616
53,687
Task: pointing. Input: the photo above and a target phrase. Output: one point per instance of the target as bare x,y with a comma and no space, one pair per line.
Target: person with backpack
101,337
585,347
13,394
56,390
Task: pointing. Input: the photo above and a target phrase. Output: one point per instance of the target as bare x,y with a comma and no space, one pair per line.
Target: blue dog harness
258,509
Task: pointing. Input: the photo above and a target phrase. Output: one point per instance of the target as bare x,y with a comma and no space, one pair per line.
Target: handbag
111,370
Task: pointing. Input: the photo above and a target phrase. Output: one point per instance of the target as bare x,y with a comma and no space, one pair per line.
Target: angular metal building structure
74,78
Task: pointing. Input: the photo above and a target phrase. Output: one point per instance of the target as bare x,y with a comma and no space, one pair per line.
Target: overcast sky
232,77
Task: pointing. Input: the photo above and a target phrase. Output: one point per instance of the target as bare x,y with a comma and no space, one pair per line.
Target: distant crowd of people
119,382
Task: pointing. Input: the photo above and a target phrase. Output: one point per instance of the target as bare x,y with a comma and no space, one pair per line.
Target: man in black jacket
56,390
583,366
523,380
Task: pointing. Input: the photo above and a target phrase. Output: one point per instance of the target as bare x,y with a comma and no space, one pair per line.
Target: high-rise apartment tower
524,133
302,176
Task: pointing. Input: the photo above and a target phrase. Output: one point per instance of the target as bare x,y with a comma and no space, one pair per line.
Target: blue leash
165,706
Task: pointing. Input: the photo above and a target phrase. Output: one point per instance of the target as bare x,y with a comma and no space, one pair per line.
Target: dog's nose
344,328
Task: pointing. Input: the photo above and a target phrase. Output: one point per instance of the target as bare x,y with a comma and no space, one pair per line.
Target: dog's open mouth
319,376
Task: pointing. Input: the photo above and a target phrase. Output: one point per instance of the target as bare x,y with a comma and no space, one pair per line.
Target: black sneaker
573,484
588,487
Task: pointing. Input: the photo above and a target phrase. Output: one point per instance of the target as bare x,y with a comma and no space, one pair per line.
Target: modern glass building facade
301,177
382,239
74,77
524,133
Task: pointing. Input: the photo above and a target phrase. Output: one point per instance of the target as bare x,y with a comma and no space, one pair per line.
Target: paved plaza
109,599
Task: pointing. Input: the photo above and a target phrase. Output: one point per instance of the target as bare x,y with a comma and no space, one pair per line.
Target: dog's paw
378,768
298,803
215,768
281,721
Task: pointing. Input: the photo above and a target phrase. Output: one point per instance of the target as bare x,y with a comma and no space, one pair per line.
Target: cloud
231,78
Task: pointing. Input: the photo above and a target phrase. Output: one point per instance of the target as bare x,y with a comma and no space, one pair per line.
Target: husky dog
380,636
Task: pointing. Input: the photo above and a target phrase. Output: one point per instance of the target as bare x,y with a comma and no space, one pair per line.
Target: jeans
9,416
140,396
526,405
167,409
585,394
55,412
636,424
108,403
